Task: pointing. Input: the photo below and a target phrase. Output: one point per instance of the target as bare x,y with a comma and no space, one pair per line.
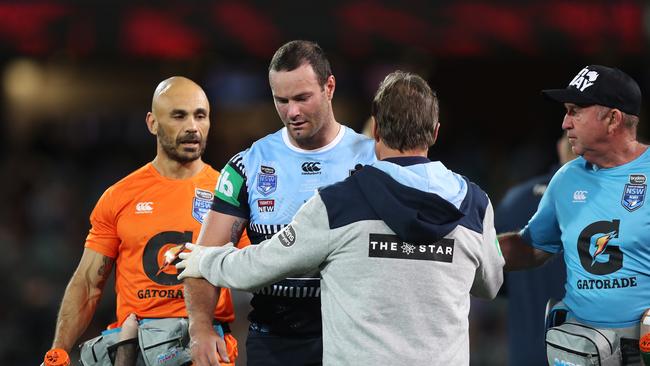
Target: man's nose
192,125
567,122
293,110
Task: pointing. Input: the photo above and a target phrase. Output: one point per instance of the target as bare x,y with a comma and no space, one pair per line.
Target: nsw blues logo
634,192
201,204
633,196
267,180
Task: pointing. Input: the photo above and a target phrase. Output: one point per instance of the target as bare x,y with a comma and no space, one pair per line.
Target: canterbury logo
143,207
311,167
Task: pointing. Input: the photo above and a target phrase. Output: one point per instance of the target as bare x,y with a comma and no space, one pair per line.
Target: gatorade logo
154,253
598,253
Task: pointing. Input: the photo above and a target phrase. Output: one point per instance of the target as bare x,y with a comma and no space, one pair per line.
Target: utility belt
570,342
161,342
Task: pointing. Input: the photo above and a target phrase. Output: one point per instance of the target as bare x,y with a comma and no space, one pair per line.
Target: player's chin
188,156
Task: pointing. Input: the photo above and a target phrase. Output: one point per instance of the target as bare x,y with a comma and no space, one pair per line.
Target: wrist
200,328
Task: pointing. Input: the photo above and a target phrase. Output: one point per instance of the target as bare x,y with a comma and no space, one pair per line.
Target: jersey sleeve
543,230
103,236
489,275
300,247
230,194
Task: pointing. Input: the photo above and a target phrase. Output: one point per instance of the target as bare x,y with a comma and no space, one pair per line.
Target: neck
385,152
173,169
621,154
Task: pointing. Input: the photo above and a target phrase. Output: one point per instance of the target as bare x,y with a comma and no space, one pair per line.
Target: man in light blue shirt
594,208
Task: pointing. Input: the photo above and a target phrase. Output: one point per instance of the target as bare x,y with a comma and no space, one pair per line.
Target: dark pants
263,348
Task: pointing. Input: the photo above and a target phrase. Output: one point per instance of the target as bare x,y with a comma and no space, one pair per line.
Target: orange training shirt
136,221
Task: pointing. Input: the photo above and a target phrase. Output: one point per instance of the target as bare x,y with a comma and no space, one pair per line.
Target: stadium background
77,79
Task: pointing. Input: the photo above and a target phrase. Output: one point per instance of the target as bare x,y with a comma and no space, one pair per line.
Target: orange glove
56,357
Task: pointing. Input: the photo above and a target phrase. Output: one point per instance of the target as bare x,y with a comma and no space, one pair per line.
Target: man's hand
208,348
190,261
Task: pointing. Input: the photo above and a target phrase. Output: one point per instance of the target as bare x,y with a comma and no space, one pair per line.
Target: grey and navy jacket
400,245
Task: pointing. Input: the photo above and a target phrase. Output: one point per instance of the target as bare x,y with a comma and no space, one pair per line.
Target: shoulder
345,203
351,137
122,191
568,171
208,174
269,141
138,178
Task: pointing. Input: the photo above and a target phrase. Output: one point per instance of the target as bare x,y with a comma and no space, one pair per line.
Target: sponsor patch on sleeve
229,185
287,236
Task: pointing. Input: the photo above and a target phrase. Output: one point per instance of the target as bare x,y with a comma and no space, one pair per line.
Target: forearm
520,255
201,298
77,309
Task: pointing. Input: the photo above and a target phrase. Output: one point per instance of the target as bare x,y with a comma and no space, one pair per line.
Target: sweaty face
183,117
302,104
586,129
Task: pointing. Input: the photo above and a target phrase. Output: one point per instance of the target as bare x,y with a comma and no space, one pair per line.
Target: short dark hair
294,54
406,112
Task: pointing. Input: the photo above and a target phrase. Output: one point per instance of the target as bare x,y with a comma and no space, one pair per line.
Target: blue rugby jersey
601,219
267,184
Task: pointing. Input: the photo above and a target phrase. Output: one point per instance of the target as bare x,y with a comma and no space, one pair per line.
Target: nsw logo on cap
584,79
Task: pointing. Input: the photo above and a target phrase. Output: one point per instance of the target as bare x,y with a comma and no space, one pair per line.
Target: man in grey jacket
401,245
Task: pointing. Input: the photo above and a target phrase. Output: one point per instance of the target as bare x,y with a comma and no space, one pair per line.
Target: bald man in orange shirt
142,219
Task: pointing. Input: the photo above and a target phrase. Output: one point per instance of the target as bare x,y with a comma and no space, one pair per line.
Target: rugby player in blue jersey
261,189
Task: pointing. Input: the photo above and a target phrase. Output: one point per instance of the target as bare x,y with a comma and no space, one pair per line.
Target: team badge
634,192
267,180
201,204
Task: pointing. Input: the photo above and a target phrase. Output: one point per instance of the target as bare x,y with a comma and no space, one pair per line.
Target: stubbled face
586,129
182,122
303,105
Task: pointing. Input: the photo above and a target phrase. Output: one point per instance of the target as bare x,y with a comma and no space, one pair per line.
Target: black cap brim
568,96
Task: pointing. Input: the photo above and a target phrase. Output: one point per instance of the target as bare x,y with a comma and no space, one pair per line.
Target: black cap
596,84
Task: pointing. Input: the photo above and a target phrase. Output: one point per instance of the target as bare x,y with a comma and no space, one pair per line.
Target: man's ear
615,120
435,132
330,86
374,129
152,125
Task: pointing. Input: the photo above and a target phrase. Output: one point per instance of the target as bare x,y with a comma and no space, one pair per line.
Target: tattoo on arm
237,229
105,270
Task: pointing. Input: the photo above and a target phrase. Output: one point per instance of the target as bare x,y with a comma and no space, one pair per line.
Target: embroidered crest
633,196
200,208
266,183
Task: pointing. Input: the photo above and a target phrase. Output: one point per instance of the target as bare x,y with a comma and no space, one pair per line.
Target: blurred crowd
58,158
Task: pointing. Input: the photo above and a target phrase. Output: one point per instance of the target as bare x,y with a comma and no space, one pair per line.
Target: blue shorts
268,349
